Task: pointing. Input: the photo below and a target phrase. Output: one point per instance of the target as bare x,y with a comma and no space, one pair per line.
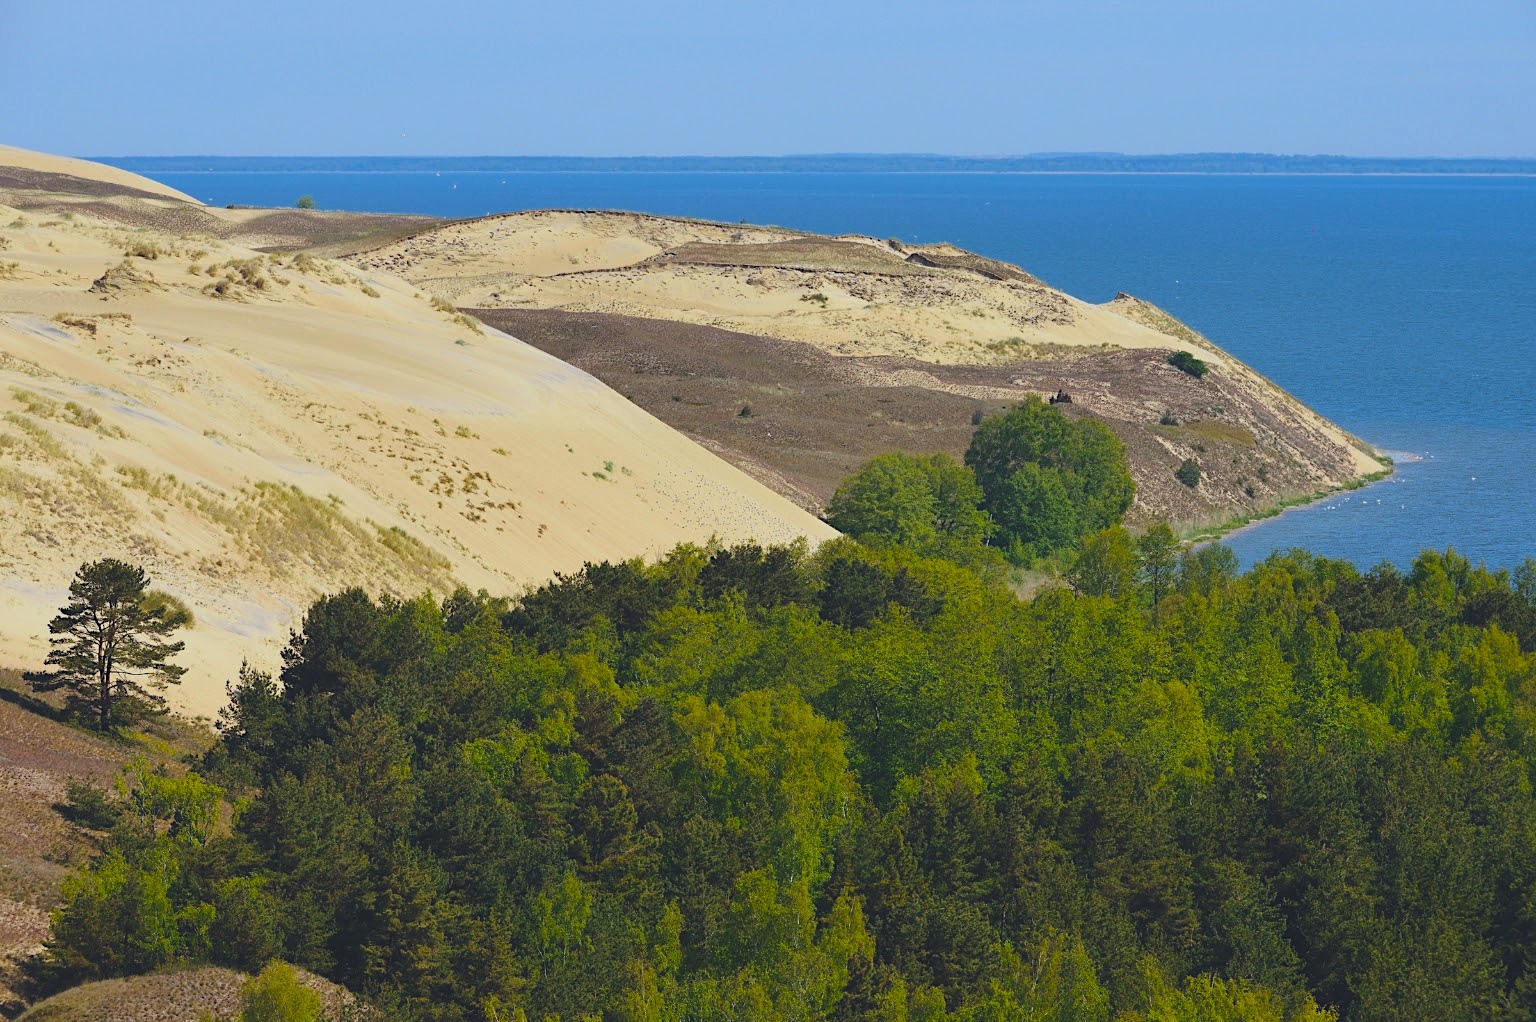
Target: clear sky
723,77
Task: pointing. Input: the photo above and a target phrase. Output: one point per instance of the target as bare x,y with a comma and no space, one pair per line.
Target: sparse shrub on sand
305,263
442,304
171,608
144,250
1188,473
815,296
88,806
238,278
370,292
9,270
1187,363
467,323
79,415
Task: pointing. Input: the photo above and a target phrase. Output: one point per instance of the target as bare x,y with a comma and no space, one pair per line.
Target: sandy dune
85,170
257,430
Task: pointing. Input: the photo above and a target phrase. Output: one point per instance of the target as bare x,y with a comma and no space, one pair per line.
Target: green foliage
911,501
1187,363
1105,565
108,637
1188,473
276,995
865,784
172,609
305,202
1209,999
1048,480
1157,552
88,805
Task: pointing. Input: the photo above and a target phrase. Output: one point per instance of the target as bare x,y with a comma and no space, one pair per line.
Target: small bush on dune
144,250
81,416
305,202
174,608
1185,362
1188,473
89,806
277,996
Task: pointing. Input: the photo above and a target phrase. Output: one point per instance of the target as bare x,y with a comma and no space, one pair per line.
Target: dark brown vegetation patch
816,417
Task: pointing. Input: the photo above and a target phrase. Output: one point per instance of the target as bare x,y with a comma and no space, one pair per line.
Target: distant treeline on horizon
1040,163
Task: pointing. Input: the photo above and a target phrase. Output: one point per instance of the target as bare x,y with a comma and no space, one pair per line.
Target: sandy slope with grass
257,430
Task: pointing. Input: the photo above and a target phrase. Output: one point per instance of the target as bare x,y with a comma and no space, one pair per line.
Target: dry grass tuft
239,278
144,250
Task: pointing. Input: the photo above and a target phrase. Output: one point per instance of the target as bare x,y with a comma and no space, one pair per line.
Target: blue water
1403,308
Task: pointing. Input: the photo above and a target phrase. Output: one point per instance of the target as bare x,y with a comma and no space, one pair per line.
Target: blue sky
673,77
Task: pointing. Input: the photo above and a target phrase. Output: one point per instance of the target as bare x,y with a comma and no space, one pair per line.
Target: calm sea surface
1402,308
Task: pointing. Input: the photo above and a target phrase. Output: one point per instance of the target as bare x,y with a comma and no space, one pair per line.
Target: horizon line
1040,155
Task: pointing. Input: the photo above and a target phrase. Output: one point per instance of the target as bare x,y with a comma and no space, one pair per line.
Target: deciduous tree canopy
867,785
1047,479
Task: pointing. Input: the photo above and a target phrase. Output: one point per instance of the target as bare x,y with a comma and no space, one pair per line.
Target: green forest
865,783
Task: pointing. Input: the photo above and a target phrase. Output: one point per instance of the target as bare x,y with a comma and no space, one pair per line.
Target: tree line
868,784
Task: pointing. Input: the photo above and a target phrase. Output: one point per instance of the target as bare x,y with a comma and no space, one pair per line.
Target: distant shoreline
897,173
1241,164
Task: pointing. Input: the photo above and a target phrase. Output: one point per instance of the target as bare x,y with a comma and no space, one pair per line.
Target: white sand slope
257,431
47,163
849,295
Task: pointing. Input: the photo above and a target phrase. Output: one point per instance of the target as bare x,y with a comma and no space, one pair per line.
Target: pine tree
106,639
